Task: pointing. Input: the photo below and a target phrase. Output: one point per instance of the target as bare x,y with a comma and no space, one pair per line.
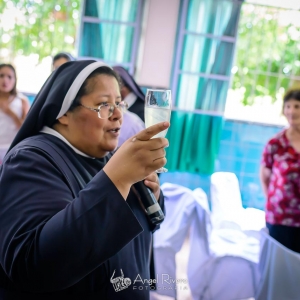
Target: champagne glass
158,109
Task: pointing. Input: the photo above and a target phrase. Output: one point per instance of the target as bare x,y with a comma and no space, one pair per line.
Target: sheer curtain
207,35
110,29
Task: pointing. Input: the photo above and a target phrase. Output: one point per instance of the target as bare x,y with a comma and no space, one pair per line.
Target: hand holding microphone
149,191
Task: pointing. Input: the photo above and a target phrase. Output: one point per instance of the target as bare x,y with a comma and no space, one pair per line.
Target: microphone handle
150,203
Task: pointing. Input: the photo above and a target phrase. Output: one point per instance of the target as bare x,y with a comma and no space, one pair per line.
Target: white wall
157,43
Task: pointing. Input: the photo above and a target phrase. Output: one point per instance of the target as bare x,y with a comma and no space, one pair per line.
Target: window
110,31
207,37
31,32
202,73
267,62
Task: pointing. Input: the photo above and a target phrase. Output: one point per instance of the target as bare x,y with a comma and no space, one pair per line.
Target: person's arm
265,175
266,165
7,110
50,241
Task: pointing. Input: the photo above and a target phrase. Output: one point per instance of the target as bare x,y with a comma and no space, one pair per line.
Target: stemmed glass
158,106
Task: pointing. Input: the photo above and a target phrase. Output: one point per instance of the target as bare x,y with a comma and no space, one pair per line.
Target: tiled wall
240,152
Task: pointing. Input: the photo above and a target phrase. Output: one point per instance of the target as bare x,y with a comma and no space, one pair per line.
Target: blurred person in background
133,118
131,93
13,107
60,59
280,177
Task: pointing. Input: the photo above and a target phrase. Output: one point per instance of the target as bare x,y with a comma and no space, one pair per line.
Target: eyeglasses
106,110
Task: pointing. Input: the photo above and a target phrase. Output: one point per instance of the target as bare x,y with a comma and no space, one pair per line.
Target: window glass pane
285,83
201,93
296,65
261,84
207,16
267,47
272,84
248,87
114,10
203,55
110,42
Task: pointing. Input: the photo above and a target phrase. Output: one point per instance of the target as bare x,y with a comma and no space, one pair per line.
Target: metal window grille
268,52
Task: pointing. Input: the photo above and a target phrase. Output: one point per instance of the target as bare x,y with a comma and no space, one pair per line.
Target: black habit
57,243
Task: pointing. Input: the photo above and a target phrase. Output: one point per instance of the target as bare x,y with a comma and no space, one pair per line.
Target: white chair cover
201,198
227,209
226,278
280,271
222,263
226,202
168,240
199,238
213,252
231,250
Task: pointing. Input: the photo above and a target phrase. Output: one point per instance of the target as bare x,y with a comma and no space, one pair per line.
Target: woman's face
88,133
291,110
7,79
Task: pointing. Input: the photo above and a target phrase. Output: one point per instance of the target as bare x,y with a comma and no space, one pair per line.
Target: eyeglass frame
112,108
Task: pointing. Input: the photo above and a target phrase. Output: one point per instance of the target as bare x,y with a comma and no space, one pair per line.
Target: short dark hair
14,89
65,55
84,88
292,94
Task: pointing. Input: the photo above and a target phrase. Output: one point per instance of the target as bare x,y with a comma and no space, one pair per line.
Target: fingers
159,153
151,131
152,177
152,144
158,163
152,182
151,185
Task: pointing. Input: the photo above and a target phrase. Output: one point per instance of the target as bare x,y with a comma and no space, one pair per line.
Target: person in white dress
13,107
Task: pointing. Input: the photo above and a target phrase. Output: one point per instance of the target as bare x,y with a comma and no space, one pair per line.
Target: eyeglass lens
106,111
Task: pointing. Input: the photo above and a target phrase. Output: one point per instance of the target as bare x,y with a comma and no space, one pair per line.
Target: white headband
76,85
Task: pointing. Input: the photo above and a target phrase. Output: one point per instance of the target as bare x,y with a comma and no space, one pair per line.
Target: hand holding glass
158,106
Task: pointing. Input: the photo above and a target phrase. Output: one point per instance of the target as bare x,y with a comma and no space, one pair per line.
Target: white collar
130,99
51,131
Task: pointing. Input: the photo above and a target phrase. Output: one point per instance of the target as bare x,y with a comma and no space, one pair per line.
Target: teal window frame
135,25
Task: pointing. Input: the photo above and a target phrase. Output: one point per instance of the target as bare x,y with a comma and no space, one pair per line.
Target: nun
72,225
131,93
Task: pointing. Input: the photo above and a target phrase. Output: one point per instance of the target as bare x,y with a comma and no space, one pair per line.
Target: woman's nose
117,114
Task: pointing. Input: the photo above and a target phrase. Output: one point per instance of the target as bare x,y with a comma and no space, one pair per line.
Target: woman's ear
64,120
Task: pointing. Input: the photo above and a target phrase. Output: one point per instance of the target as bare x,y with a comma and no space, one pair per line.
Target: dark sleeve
50,241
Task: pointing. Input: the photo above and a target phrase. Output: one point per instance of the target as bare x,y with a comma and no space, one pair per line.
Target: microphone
150,203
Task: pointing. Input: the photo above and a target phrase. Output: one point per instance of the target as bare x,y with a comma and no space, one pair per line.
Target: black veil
129,81
49,101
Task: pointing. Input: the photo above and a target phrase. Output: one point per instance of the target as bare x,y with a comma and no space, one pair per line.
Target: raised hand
137,158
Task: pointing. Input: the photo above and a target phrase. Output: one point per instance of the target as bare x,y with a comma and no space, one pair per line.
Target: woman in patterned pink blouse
280,177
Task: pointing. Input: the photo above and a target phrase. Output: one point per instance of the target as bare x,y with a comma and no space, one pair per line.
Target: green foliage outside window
42,27
267,53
